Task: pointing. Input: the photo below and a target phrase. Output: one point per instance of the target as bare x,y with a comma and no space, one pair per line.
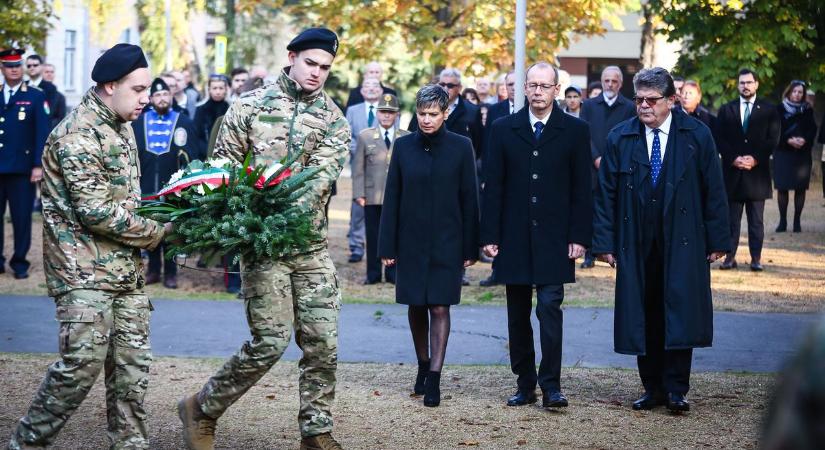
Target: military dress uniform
275,121
91,241
24,126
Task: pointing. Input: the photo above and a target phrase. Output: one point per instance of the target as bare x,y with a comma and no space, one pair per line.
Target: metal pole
521,35
168,8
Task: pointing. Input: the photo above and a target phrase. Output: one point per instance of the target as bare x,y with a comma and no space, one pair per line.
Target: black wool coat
537,197
792,166
760,141
695,224
429,220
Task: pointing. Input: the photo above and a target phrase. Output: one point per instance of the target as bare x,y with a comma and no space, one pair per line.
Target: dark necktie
387,138
655,157
747,117
538,126
371,117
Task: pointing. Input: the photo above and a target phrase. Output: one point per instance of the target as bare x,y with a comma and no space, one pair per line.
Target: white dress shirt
390,133
742,102
374,106
8,91
512,108
451,107
610,101
534,119
664,129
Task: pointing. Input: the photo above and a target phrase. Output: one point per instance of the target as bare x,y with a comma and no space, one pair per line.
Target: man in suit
748,131
58,108
691,95
661,216
360,117
373,69
34,69
24,126
369,174
603,112
166,139
536,220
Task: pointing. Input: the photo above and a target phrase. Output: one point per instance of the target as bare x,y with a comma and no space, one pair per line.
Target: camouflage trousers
300,291
98,330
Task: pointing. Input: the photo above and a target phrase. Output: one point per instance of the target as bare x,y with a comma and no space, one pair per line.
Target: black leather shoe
368,282
421,377
487,282
757,267
170,282
728,264
465,281
553,400
522,397
649,400
152,278
782,227
677,403
21,275
432,389
355,258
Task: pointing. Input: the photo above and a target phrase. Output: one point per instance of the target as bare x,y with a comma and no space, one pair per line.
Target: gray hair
431,95
657,79
544,65
615,69
450,72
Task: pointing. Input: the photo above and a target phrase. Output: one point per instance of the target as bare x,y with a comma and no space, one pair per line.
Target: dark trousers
170,269
520,331
372,219
663,371
755,211
18,191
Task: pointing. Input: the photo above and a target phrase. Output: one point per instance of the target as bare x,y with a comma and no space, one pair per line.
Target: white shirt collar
663,128
390,132
743,100
534,119
610,101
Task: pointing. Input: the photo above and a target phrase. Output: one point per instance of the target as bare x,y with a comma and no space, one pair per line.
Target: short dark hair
678,78
237,71
217,79
35,56
431,94
746,71
655,78
594,85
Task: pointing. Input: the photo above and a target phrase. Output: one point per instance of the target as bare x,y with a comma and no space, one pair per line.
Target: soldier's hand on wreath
362,201
608,258
389,262
37,174
468,262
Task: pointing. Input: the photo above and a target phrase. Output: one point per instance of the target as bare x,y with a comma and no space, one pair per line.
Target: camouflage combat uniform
91,241
274,121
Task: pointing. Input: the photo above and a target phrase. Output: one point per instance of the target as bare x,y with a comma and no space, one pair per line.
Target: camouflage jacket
280,119
90,189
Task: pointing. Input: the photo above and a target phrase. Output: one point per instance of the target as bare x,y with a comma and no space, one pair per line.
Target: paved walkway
379,333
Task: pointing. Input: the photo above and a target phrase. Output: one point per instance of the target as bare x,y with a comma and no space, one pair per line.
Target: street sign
220,54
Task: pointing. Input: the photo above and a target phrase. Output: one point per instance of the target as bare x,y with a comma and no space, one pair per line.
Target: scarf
793,108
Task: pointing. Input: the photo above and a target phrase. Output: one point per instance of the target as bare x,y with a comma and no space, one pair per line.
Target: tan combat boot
198,428
320,442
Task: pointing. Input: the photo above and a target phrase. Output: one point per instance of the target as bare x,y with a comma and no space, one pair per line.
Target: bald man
373,69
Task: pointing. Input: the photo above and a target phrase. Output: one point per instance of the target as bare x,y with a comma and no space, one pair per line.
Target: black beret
321,38
117,62
158,85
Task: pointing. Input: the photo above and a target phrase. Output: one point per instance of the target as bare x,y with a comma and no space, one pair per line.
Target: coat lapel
639,153
678,152
522,127
457,112
555,124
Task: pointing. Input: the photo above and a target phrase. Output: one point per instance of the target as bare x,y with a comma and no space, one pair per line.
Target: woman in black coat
792,159
429,228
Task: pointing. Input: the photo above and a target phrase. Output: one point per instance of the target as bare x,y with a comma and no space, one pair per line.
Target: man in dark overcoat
748,132
537,215
661,218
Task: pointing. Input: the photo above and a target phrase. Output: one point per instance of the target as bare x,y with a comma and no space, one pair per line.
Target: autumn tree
25,23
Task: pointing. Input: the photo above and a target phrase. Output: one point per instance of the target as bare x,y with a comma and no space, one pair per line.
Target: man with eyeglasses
34,70
749,130
604,112
536,219
660,219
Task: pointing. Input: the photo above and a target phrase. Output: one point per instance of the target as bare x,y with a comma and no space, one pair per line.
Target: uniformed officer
290,115
91,242
165,141
369,174
24,126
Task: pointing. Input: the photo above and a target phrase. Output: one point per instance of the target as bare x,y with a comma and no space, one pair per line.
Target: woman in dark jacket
792,159
429,228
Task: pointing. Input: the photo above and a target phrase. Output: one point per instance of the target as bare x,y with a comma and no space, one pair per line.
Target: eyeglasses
650,100
449,85
32,65
543,86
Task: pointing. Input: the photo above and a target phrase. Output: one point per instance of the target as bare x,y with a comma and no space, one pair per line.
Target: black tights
430,333
783,199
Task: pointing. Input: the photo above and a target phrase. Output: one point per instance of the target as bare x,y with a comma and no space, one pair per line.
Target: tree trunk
648,50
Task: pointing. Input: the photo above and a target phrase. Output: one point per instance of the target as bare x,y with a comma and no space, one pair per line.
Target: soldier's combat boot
320,442
198,428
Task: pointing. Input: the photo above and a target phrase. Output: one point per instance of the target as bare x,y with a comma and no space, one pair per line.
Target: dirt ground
794,279
374,410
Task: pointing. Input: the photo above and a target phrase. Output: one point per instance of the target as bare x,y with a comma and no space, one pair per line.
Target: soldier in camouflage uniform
91,242
290,115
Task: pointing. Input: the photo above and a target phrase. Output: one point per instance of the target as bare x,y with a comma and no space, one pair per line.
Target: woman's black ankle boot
432,389
423,368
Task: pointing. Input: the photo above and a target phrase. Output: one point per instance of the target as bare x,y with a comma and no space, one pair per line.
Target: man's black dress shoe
757,267
677,403
355,258
553,400
728,265
649,401
21,275
465,281
521,398
368,282
487,282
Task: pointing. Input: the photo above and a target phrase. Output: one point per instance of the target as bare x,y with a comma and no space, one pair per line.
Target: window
68,60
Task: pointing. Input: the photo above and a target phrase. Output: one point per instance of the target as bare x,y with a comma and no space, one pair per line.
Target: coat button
1,131
746,141
626,219
2,119
1,145
27,152
630,186
535,176
684,241
533,199
535,223
535,153
684,210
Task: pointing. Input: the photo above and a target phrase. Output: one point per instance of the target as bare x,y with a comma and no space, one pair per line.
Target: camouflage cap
388,102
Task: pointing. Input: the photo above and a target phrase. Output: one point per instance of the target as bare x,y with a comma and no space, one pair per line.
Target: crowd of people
653,185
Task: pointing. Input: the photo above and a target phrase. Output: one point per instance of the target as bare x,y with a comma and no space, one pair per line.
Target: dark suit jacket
603,118
760,141
58,109
702,115
355,96
494,112
464,120
537,197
